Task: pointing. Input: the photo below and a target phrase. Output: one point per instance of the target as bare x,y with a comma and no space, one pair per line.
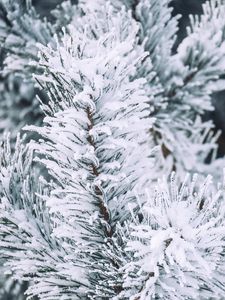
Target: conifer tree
107,217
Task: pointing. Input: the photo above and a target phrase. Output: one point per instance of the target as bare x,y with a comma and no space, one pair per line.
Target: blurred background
185,8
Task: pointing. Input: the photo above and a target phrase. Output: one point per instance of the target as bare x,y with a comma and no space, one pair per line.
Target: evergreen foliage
92,208
21,29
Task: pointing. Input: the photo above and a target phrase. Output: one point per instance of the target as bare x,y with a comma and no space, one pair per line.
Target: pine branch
32,253
97,227
182,91
20,30
91,146
103,207
176,252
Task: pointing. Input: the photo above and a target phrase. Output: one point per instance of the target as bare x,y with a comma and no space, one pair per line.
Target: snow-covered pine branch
177,249
89,231
178,99
97,121
20,30
187,78
25,227
193,74
183,81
